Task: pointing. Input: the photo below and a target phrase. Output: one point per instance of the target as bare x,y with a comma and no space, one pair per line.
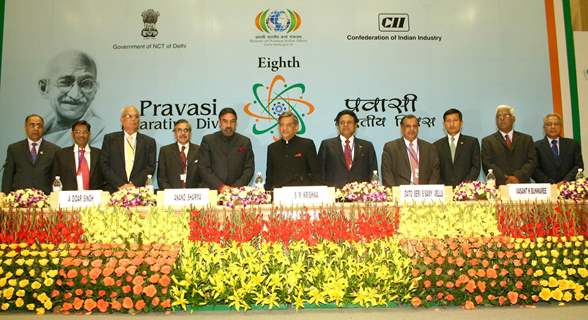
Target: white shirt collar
549,140
132,136
187,145
415,143
510,133
351,139
456,136
38,142
77,148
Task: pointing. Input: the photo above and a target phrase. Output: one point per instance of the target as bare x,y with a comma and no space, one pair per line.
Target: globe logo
277,21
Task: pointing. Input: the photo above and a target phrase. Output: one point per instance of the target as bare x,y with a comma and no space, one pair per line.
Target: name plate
185,197
310,195
529,191
422,193
80,199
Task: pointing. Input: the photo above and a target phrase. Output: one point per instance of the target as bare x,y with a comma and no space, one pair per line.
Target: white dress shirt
351,145
76,151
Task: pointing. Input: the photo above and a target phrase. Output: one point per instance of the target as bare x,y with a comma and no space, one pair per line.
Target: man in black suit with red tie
29,162
128,156
78,165
346,158
559,158
178,162
509,153
459,155
292,160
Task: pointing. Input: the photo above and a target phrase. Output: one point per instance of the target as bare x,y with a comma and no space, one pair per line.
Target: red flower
127,303
469,305
102,305
470,286
139,305
512,297
450,297
416,301
479,299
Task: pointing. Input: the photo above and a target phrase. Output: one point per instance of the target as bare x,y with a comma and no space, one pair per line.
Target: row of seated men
225,158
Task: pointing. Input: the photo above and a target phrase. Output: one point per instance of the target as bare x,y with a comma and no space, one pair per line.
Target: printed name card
185,197
529,191
422,193
80,199
307,195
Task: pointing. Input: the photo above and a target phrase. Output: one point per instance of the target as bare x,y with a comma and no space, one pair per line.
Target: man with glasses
558,158
127,156
70,86
178,162
78,165
510,154
409,160
29,162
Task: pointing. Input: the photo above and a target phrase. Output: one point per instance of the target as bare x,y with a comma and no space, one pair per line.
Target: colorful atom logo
278,21
278,98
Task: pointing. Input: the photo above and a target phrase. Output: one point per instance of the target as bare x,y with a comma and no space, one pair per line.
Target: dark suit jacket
64,166
519,162
396,166
20,172
112,160
551,169
170,168
292,164
226,161
334,171
466,165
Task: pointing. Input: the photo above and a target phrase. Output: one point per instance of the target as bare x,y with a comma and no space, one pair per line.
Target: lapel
121,147
458,148
192,155
515,140
421,154
40,152
71,160
27,152
340,152
93,160
357,150
176,155
500,139
404,156
547,148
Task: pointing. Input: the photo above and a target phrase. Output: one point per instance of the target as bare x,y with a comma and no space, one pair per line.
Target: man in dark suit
510,154
78,166
292,160
29,162
409,160
459,155
127,156
346,158
558,158
178,162
226,157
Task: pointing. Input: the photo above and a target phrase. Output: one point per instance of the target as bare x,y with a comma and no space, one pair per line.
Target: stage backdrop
188,59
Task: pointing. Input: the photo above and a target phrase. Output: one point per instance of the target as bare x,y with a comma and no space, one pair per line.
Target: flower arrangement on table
26,198
133,197
474,190
574,190
243,196
363,192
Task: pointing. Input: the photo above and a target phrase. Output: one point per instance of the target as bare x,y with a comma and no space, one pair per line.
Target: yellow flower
20,293
567,296
567,261
19,302
2,282
556,294
543,283
23,283
545,294
43,262
571,271
579,296
549,270
19,272
7,293
552,282
20,261
40,311
52,273
32,272
5,306
538,273
48,282
583,272
48,304
35,285
12,282
31,306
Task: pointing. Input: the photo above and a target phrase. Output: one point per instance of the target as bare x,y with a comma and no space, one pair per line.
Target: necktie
183,160
348,159
414,163
129,157
508,141
452,149
84,169
554,149
34,152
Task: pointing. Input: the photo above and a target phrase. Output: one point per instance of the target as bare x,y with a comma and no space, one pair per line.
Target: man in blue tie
558,158
29,162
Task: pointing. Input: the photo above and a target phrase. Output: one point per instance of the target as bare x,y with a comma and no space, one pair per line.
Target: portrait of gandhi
70,85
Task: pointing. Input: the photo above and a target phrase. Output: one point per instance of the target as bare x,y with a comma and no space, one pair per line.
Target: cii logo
270,101
393,22
278,21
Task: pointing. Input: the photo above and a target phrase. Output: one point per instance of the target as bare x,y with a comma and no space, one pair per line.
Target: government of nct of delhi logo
273,100
278,21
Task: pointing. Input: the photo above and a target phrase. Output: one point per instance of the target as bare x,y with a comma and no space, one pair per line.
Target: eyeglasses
550,124
183,130
130,116
503,116
66,83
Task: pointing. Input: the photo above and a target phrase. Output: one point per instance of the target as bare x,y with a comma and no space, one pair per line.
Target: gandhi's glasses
85,85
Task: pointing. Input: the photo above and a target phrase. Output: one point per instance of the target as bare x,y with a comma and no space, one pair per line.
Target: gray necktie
452,148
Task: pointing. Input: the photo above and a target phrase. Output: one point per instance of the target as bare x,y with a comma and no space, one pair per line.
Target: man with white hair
510,154
127,156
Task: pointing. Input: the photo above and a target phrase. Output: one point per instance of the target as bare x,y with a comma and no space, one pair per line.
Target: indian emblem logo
149,19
